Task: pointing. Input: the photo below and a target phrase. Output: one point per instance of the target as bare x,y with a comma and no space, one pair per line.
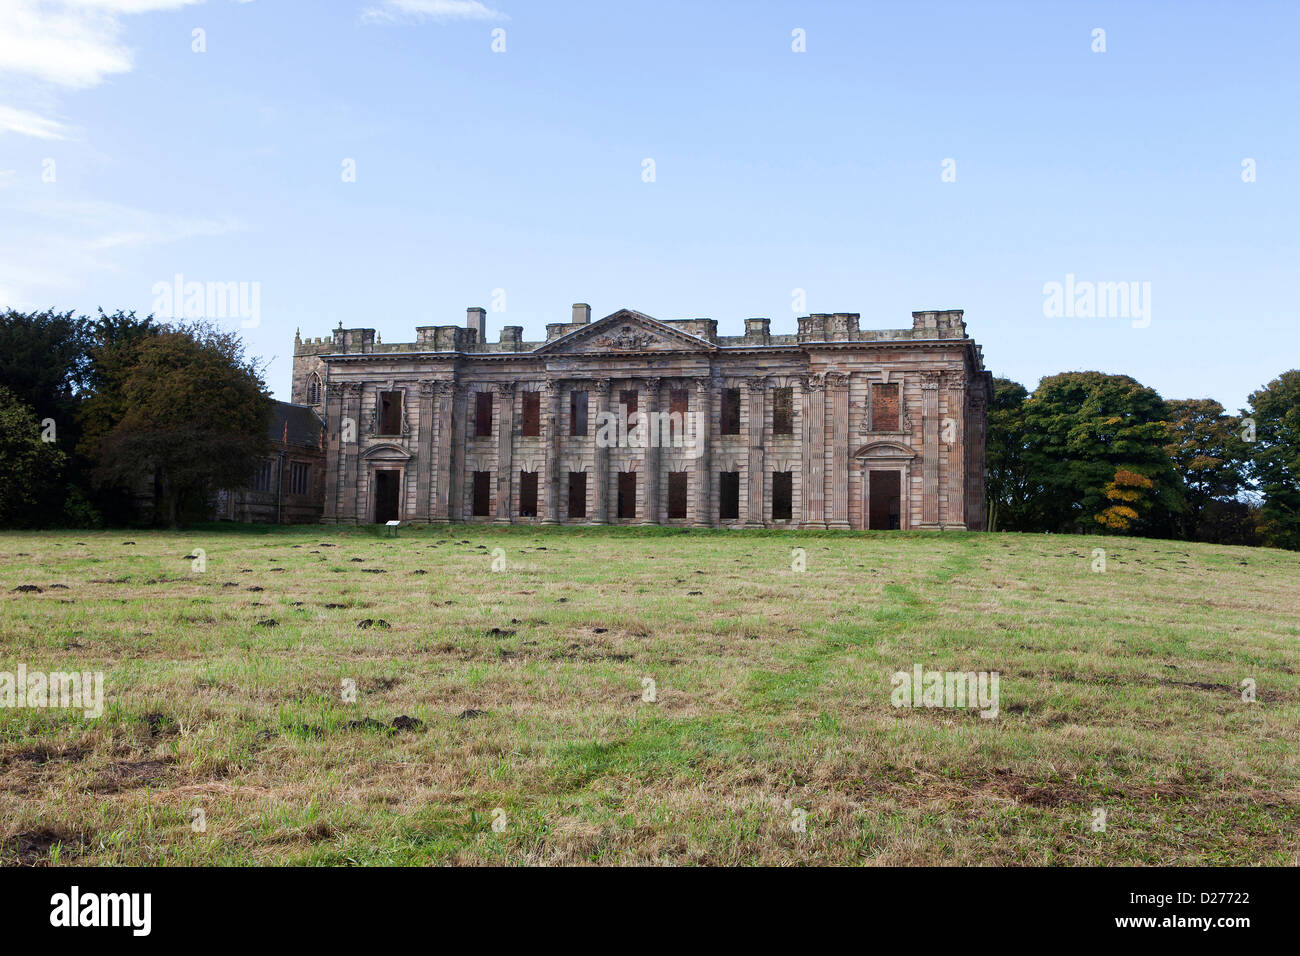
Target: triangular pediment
626,332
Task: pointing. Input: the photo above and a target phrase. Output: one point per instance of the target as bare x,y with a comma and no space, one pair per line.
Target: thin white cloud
29,124
67,241
71,43
393,11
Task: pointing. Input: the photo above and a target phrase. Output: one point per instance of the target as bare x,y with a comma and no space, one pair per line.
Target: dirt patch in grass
128,775
32,847
43,754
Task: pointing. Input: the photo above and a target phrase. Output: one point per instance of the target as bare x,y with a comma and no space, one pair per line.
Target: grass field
224,678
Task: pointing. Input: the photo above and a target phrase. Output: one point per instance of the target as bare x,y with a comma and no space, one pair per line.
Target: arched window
313,389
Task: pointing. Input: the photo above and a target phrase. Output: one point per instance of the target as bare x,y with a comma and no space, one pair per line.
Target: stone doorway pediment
886,450
386,452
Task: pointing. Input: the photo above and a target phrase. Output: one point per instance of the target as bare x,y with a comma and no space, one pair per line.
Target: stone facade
830,427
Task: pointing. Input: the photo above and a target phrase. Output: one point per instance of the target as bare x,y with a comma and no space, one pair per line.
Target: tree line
107,419
1092,452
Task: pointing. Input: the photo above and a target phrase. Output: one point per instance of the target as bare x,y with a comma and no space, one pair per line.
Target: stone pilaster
456,483
443,397
424,461
600,493
954,434
704,516
814,443
837,383
755,429
929,449
551,426
351,423
650,456
333,449
976,506
505,451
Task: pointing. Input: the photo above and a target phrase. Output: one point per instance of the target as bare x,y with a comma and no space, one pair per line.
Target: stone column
442,398
755,430
814,444
930,449
703,453
600,500
424,460
974,442
505,451
953,429
551,397
456,482
351,424
333,449
838,385
650,456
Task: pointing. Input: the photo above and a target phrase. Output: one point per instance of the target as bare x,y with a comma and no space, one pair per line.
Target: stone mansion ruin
635,420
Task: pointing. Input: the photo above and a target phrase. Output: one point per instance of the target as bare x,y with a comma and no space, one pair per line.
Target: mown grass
1120,691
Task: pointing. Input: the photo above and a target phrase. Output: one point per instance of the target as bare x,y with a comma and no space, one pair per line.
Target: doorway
884,501
387,484
627,494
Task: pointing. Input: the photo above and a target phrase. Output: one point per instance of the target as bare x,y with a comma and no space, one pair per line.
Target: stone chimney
476,319
581,313
758,331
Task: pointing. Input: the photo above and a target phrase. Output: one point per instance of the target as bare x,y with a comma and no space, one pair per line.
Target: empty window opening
729,495
783,411
577,494
528,494
731,411
390,413
482,494
532,418
782,495
483,414
627,494
676,495
578,414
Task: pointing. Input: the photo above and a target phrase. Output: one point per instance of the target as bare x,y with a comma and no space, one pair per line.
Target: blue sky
522,170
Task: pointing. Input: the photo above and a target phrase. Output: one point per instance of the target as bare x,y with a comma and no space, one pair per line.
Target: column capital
756,383
653,382
601,386
505,389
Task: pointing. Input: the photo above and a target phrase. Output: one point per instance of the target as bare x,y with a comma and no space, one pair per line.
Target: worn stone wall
830,365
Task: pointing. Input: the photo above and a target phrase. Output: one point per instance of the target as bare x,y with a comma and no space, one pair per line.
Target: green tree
194,418
28,464
1207,452
1081,428
1275,457
43,360
1009,485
